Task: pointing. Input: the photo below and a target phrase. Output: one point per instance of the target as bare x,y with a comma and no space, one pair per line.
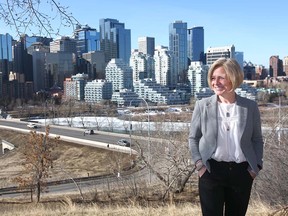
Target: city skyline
248,25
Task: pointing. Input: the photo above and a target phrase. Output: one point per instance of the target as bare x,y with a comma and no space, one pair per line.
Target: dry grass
67,207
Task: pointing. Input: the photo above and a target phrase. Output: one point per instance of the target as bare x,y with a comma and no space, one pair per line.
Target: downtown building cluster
98,65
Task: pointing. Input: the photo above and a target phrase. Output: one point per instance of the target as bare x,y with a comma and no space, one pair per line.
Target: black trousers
226,189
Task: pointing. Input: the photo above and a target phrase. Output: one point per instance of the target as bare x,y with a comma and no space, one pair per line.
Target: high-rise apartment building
285,65
197,76
87,39
196,44
214,53
142,66
178,46
74,87
126,97
165,72
115,40
149,90
98,90
120,74
275,66
260,72
146,45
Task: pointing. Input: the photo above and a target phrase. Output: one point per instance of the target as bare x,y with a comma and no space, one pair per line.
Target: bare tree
271,186
99,122
274,174
110,123
168,158
22,15
37,163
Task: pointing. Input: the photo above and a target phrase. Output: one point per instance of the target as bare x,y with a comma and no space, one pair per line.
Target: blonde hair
232,70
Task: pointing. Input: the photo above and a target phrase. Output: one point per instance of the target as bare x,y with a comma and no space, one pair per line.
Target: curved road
76,135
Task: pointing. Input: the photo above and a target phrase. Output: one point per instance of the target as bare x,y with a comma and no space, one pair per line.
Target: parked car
32,125
123,142
89,131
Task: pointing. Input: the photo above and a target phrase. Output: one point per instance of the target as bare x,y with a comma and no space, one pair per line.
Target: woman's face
221,85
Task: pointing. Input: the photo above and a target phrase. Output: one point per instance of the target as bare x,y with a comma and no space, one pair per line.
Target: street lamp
45,112
279,118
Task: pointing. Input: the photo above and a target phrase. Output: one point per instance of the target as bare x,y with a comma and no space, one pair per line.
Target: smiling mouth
218,88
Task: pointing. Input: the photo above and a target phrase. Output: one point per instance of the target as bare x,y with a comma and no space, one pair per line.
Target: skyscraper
38,51
59,66
87,39
146,45
22,62
115,40
5,55
196,44
178,46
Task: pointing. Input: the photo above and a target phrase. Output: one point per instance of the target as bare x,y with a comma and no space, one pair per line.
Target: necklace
225,113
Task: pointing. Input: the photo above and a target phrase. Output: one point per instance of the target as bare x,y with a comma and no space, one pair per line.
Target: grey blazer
204,131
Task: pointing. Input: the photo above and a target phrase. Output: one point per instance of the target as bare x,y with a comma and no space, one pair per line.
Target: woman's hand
252,174
202,171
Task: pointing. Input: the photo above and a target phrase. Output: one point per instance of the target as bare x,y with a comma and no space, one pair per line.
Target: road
75,135
86,184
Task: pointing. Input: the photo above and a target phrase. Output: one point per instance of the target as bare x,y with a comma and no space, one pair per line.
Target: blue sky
256,27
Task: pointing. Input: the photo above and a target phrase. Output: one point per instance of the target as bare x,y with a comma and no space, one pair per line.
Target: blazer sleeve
195,133
257,137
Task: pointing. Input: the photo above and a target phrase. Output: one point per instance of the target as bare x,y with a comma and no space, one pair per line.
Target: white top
228,141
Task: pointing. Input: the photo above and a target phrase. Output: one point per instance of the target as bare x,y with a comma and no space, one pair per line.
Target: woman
226,143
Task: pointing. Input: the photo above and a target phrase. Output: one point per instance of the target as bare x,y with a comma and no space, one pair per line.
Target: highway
76,135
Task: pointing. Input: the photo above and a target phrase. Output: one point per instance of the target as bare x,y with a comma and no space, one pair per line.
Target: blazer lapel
212,114
242,109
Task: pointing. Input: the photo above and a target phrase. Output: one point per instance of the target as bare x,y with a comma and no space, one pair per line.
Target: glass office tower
5,55
196,44
29,40
87,39
178,46
115,40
